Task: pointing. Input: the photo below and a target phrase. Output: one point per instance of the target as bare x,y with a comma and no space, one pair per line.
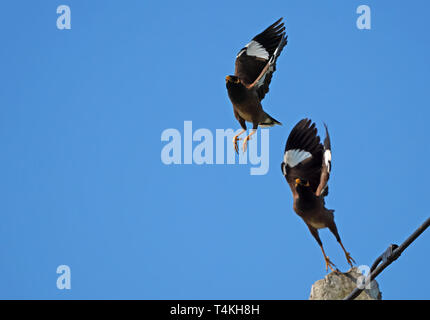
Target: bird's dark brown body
255,64
312,209
306,167
246,104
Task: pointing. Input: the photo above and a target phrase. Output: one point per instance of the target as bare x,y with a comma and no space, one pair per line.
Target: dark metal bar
389,256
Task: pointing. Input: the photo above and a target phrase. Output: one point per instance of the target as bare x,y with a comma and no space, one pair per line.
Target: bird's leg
333,229
235,139
245,141
328,263
347,255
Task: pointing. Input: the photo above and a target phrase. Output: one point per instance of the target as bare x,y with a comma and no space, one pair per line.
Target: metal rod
378,268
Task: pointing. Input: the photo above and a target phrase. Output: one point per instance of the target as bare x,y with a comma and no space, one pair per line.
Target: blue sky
82,182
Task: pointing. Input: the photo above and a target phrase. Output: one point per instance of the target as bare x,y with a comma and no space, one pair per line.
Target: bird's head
232,79
302,183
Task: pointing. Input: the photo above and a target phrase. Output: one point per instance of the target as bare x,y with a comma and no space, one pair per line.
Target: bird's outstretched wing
256,62
326,166
303,155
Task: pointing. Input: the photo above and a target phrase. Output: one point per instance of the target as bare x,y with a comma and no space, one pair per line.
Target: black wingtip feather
304,136
327,143
272,37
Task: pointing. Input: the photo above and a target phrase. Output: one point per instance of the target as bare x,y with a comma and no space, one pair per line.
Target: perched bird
306,167
255,64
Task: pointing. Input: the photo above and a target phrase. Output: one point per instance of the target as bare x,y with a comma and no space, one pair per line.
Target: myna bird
255,64
306,167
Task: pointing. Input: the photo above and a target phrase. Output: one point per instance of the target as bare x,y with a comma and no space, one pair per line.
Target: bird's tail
269,122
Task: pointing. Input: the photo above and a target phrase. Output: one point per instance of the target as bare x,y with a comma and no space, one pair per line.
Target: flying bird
255,64
307,167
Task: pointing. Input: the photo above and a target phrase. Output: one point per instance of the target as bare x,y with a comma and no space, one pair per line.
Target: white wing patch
327,159
263,78
257,50
284,169
295,156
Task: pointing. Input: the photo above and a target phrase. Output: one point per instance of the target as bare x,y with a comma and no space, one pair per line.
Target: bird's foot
245,143
329,264
235,140
349,259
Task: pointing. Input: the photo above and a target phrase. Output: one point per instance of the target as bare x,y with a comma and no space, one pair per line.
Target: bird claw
236,147
349,259
329,264
245,143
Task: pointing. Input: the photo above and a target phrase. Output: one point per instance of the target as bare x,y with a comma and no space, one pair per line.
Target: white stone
338,285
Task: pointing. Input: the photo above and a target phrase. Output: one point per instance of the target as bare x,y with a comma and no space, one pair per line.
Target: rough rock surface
337,285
